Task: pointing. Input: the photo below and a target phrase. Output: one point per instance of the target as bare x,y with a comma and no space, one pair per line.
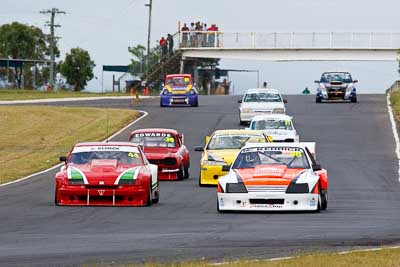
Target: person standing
192,34
185,35
164,47
170,40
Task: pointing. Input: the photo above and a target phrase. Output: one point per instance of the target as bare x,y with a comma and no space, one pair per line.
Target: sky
107,28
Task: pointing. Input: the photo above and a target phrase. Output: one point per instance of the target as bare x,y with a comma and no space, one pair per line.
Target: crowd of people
199,35
167,45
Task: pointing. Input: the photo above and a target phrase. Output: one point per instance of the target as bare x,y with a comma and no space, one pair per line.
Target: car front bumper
267,201
175,99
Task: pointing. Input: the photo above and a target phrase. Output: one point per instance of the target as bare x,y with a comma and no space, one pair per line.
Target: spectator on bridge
170,40
185,35
164,47
192,34
211,36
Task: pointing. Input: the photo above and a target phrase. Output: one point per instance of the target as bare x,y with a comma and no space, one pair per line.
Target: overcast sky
106,29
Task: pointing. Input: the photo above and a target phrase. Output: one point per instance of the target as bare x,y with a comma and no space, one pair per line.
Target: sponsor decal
313,202
269,171
153,135
80,149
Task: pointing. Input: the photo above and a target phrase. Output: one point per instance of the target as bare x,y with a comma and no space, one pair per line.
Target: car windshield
271,125
154,140
234,141
178,81
292,157
344,77
123,157
262,97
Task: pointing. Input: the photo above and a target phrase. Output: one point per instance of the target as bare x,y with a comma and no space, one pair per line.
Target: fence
252,40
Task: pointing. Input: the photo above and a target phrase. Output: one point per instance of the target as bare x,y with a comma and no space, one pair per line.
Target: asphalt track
354,142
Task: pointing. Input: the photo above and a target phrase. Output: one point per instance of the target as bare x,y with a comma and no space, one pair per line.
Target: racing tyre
318,99
187,172
200,184
242,123
196,104
353,99
157,199
319,200
324,200
148,202
55,198
181,172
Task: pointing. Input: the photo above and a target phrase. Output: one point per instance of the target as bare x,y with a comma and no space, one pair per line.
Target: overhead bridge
331,46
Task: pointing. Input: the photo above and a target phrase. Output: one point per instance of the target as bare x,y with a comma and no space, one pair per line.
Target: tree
77,68
20,41
138,61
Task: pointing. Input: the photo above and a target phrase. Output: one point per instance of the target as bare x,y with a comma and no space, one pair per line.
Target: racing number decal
296,154
169,140
133,155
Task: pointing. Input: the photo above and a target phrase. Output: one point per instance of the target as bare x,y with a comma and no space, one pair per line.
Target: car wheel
181,172
186,172
55,198
242,123
324,200
318,99
196,104
319,199
148,202
200,184
156,199
354,99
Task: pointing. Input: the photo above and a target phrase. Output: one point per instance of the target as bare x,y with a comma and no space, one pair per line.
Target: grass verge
18,94
395,101
33,137
389,257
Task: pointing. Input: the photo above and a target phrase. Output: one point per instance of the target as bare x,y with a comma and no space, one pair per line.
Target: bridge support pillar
182,67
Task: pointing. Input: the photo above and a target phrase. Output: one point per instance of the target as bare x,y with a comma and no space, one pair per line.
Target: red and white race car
274,177
106,174
165,148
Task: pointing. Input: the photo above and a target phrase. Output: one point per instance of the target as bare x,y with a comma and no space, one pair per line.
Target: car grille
280,201
166,161
269,189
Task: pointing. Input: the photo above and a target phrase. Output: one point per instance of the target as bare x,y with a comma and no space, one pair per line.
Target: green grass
381,258
395,101
32,138
18,94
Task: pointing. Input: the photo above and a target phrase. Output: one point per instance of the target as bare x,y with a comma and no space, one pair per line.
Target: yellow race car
221,149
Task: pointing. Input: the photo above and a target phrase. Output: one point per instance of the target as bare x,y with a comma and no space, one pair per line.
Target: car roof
309,145
238,131
105,144
178,75
262,90
271,117
155,130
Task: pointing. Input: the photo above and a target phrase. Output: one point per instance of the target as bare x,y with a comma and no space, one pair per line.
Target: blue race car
179,90
336,86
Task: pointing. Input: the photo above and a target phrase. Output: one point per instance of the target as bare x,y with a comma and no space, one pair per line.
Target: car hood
227,155
99,172
279,132
268,175
263,105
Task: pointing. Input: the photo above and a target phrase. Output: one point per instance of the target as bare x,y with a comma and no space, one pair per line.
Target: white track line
68,99
394,129
295,257
60,164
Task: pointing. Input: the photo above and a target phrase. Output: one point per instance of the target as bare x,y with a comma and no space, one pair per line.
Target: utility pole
53,38
149,5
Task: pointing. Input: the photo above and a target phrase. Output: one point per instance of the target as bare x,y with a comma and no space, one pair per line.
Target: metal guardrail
252,40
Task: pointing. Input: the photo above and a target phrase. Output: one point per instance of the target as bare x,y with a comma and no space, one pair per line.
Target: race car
258,102
336,86
274,177
179,90
106,174
278,126
164,148
220,150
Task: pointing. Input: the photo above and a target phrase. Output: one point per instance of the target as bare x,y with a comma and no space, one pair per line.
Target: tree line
26,42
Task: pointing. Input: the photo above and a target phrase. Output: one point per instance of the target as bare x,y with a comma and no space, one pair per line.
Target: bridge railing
252,40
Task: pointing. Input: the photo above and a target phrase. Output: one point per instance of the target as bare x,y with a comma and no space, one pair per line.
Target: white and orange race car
274,177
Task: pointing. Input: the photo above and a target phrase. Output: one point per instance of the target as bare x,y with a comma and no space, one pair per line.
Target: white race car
274,177
260,101
279,126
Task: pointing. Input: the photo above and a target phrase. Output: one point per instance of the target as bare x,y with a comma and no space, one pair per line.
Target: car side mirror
355,81
316,81
284,101
63,159
199,148
240,101
316,167
226,168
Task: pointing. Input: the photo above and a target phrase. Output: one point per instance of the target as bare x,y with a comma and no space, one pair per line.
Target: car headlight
247,110
278,110
165,92
350,88
192,91
214,163
322,87
235,188
294,188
